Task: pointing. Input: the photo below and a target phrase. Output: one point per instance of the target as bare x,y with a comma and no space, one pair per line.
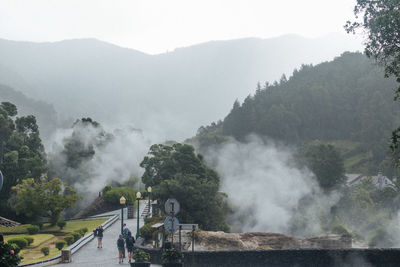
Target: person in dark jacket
99,233
121,248
130,241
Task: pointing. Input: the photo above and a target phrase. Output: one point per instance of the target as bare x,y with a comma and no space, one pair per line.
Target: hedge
69,239
60,244
29,239
45,250
113,195
20,241
76,236
33,229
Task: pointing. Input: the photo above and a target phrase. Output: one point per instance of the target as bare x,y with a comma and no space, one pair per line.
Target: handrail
75,246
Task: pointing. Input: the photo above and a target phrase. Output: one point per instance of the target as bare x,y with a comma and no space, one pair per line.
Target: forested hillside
347,102
81,77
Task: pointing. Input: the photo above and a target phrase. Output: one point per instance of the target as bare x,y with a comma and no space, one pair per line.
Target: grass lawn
71,226
51,234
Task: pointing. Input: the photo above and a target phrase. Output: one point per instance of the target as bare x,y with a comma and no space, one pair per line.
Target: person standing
130,242
99,233
121,248
125,233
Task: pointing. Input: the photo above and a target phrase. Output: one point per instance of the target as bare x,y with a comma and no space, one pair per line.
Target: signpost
172,207
169,223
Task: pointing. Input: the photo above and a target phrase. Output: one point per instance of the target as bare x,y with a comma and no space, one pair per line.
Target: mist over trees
347,99
178,172
154,89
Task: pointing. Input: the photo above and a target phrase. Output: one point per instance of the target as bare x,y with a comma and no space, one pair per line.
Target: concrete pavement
91,256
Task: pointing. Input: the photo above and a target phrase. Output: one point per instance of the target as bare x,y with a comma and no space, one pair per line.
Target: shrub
29,239
9,255
340,230
80,231
76,236
112,196
172,255
20,241
33,229
146,231
69,239
85,229
61,224
60,244
45,250
141,256
107,188
40,224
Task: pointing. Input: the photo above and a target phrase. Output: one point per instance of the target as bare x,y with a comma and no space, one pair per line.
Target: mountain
346,102
45,114
172,92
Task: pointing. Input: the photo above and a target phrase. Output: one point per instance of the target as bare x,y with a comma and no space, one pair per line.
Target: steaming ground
265,187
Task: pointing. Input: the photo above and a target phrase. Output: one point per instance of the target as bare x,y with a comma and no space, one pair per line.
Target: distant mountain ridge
175,92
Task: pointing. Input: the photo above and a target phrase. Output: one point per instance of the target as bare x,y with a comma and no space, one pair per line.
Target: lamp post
122,201
138,197
149,191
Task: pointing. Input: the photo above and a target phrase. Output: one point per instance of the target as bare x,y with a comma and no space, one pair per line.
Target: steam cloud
265,187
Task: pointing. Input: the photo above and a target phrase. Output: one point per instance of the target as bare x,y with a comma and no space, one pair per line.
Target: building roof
8,222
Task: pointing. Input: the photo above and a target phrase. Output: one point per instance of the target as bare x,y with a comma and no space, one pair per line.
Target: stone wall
289,257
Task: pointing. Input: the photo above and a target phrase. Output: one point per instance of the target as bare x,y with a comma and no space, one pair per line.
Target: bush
69,239
40,224
107,188
84,229
172,255
29,239
146,231
80,231
9,255
340,230
60,244
33,229
45,250
61,224
113,195
76,236
141,256
20,241
16,248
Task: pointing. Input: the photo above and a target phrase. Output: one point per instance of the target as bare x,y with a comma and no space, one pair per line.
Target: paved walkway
90,255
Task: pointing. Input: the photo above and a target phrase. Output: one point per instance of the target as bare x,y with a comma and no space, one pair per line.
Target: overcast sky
156,26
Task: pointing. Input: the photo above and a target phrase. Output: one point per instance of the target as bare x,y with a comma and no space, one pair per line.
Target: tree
327,165
177,172
380,21
46,198
21,151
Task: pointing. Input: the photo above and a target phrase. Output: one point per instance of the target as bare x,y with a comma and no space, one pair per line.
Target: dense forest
346,102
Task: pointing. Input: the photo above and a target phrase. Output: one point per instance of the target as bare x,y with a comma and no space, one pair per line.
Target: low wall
289,257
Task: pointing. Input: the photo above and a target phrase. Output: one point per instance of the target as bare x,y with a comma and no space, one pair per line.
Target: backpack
126,233
95,232
130,241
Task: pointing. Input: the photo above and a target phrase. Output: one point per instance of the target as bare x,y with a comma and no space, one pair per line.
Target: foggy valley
267,141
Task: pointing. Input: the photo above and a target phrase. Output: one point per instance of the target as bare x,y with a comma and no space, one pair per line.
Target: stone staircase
146,212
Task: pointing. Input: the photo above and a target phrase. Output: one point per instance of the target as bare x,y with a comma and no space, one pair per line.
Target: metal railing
74,247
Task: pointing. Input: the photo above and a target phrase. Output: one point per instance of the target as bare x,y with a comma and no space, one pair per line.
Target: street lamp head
149,189
138,195
122,200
